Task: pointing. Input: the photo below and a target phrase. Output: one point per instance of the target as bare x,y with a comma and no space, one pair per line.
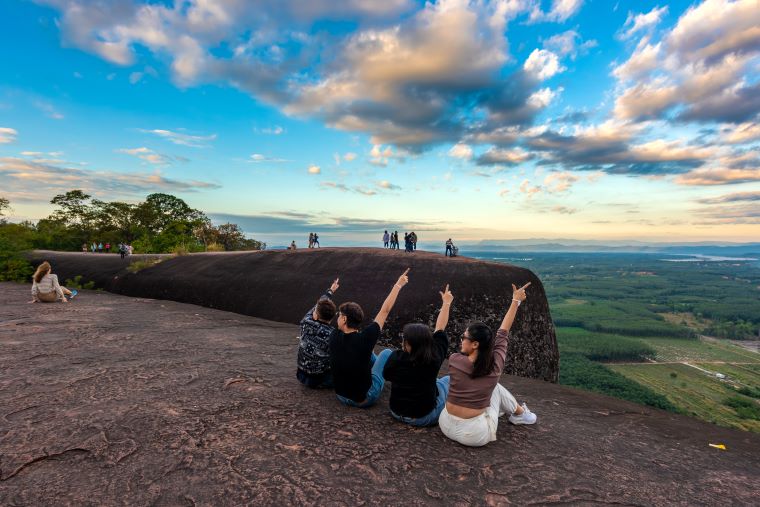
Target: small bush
215,247
76,283
673,374
180,250
136,266
752,392
744,408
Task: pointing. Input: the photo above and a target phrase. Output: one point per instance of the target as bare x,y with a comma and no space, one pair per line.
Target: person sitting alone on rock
476,399
417,394
45,286
357,372
314,343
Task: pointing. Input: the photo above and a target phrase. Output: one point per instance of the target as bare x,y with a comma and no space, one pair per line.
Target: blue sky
477,120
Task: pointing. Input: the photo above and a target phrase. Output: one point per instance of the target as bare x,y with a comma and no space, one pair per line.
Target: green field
628,326
669,350
692,390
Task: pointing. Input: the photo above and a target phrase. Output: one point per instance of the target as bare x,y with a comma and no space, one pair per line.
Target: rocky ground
283,285
112,400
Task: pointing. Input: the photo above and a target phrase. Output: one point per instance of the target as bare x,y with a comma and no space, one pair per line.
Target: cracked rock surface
112,400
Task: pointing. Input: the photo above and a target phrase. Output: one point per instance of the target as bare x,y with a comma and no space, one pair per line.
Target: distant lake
708,258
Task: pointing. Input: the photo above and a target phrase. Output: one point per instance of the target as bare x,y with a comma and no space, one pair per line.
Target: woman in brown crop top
476,400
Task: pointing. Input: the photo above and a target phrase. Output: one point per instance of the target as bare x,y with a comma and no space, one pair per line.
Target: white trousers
478,431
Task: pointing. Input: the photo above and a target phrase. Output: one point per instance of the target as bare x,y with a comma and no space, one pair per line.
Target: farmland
633,326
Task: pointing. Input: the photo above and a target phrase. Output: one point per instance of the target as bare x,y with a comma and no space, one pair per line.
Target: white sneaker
527,417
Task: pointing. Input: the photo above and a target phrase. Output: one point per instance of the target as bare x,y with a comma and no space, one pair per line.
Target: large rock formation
113,400
283,285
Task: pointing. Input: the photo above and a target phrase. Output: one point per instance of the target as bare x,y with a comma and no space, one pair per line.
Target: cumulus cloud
387,185
740,134
7,135
528,189
698,70
461,150
22,177
314,169
542,64
409,81
569,43
641,22
181,138
559,182
718,176
497,156
560,11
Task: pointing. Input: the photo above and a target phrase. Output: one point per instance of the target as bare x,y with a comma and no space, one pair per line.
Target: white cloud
258,157
135,77
314,169
528,189
461,150
387,185
561,11
7,135
643,21
274,131
195,141
559,182
147,155
542,64
31,180
349,157
567,44
741,133
48,109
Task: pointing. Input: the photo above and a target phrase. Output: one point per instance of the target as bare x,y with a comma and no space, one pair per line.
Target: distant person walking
386,239
413,239
314,343
122,250
94,247
449,249
417,394
476,399
108,247
395,240
311,240
100,247
316,240
45,286
357,372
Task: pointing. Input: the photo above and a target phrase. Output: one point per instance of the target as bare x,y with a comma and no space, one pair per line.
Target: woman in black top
417,394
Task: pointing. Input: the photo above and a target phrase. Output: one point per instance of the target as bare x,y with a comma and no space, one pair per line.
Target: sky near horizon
590,119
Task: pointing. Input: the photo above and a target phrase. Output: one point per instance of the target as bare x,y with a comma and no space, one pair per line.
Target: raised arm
391,299
518,296
443,315
327,295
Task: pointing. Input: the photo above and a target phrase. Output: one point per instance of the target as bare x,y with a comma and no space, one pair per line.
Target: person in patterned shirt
314,342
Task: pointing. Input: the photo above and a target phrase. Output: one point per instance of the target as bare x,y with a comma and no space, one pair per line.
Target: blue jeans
440,402
376,389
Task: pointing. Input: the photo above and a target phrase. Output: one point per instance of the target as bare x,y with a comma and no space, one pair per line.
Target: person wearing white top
45,286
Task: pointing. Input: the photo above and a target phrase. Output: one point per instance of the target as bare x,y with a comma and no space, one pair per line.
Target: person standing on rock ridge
417,394
386,238
449,248
476,399
314,343
357,371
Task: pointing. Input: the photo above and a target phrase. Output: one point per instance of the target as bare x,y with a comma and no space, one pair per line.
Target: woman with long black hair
476,400
417,394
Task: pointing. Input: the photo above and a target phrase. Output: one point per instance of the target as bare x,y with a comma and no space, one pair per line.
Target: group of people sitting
466,403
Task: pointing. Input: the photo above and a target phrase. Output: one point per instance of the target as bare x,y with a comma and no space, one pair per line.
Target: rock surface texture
112,400
283,285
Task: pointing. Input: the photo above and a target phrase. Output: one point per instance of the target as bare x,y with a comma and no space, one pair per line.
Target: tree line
162,223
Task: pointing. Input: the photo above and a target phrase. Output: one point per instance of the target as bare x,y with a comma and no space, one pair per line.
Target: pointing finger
526,285
405,272
447,288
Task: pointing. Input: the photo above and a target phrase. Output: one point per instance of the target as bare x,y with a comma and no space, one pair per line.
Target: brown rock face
283,285
111,400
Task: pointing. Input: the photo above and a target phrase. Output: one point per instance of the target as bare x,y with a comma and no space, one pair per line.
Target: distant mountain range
719,248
